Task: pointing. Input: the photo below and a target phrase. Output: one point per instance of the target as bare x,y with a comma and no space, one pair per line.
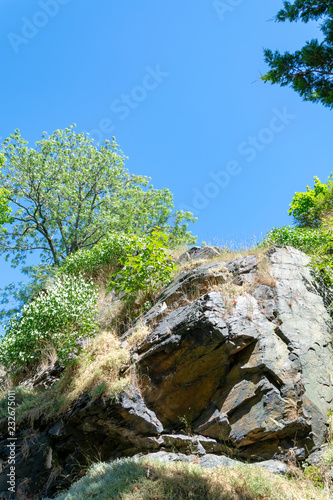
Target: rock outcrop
248,381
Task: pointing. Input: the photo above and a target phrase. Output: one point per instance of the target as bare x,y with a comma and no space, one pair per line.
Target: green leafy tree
309,71
310,208
69,194
4,208
312,211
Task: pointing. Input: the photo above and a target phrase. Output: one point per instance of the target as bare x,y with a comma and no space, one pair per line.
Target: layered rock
252,382
258,380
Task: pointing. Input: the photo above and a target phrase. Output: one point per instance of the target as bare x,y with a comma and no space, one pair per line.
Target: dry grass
220,269
193,264
264,278
121,316
96,371
228,255
230,293
49,357
293,409
102,277
177,252
330,426
140,333
110,314
264,273
98,368
6,383
224,256
224,284
242,483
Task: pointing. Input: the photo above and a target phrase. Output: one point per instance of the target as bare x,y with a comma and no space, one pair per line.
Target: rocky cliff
237,363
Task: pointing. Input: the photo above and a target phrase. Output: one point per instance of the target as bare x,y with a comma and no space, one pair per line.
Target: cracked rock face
259,380
253,384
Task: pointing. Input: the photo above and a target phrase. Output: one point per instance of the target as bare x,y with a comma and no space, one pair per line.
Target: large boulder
258,380
196,253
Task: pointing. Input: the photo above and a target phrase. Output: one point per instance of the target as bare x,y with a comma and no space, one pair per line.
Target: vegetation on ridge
68,194
312,211
62,317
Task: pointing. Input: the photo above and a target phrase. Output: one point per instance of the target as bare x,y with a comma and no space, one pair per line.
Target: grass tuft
96,371
127,479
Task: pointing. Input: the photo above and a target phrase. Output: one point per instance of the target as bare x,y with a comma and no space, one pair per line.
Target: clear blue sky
176,83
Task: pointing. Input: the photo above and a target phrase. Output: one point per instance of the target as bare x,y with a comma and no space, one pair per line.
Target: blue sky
176,83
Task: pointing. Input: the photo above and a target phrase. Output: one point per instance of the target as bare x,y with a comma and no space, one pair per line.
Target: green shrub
106,253
17,295
147,270
22,396
313,473
312,211
305,239
308,208
57,318
318,243
322,262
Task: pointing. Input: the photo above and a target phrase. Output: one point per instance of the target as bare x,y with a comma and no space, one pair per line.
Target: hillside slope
233,360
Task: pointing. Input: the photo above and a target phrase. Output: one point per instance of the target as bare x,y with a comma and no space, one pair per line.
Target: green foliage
312,211
105,254
145,270
58,318
309,71
21,395
18,294
69,194
309,208
318,243
322,261
307,240
114,480
4,208
147,479
313,473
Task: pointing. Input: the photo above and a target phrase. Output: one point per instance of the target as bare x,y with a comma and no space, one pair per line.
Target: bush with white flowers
57,318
